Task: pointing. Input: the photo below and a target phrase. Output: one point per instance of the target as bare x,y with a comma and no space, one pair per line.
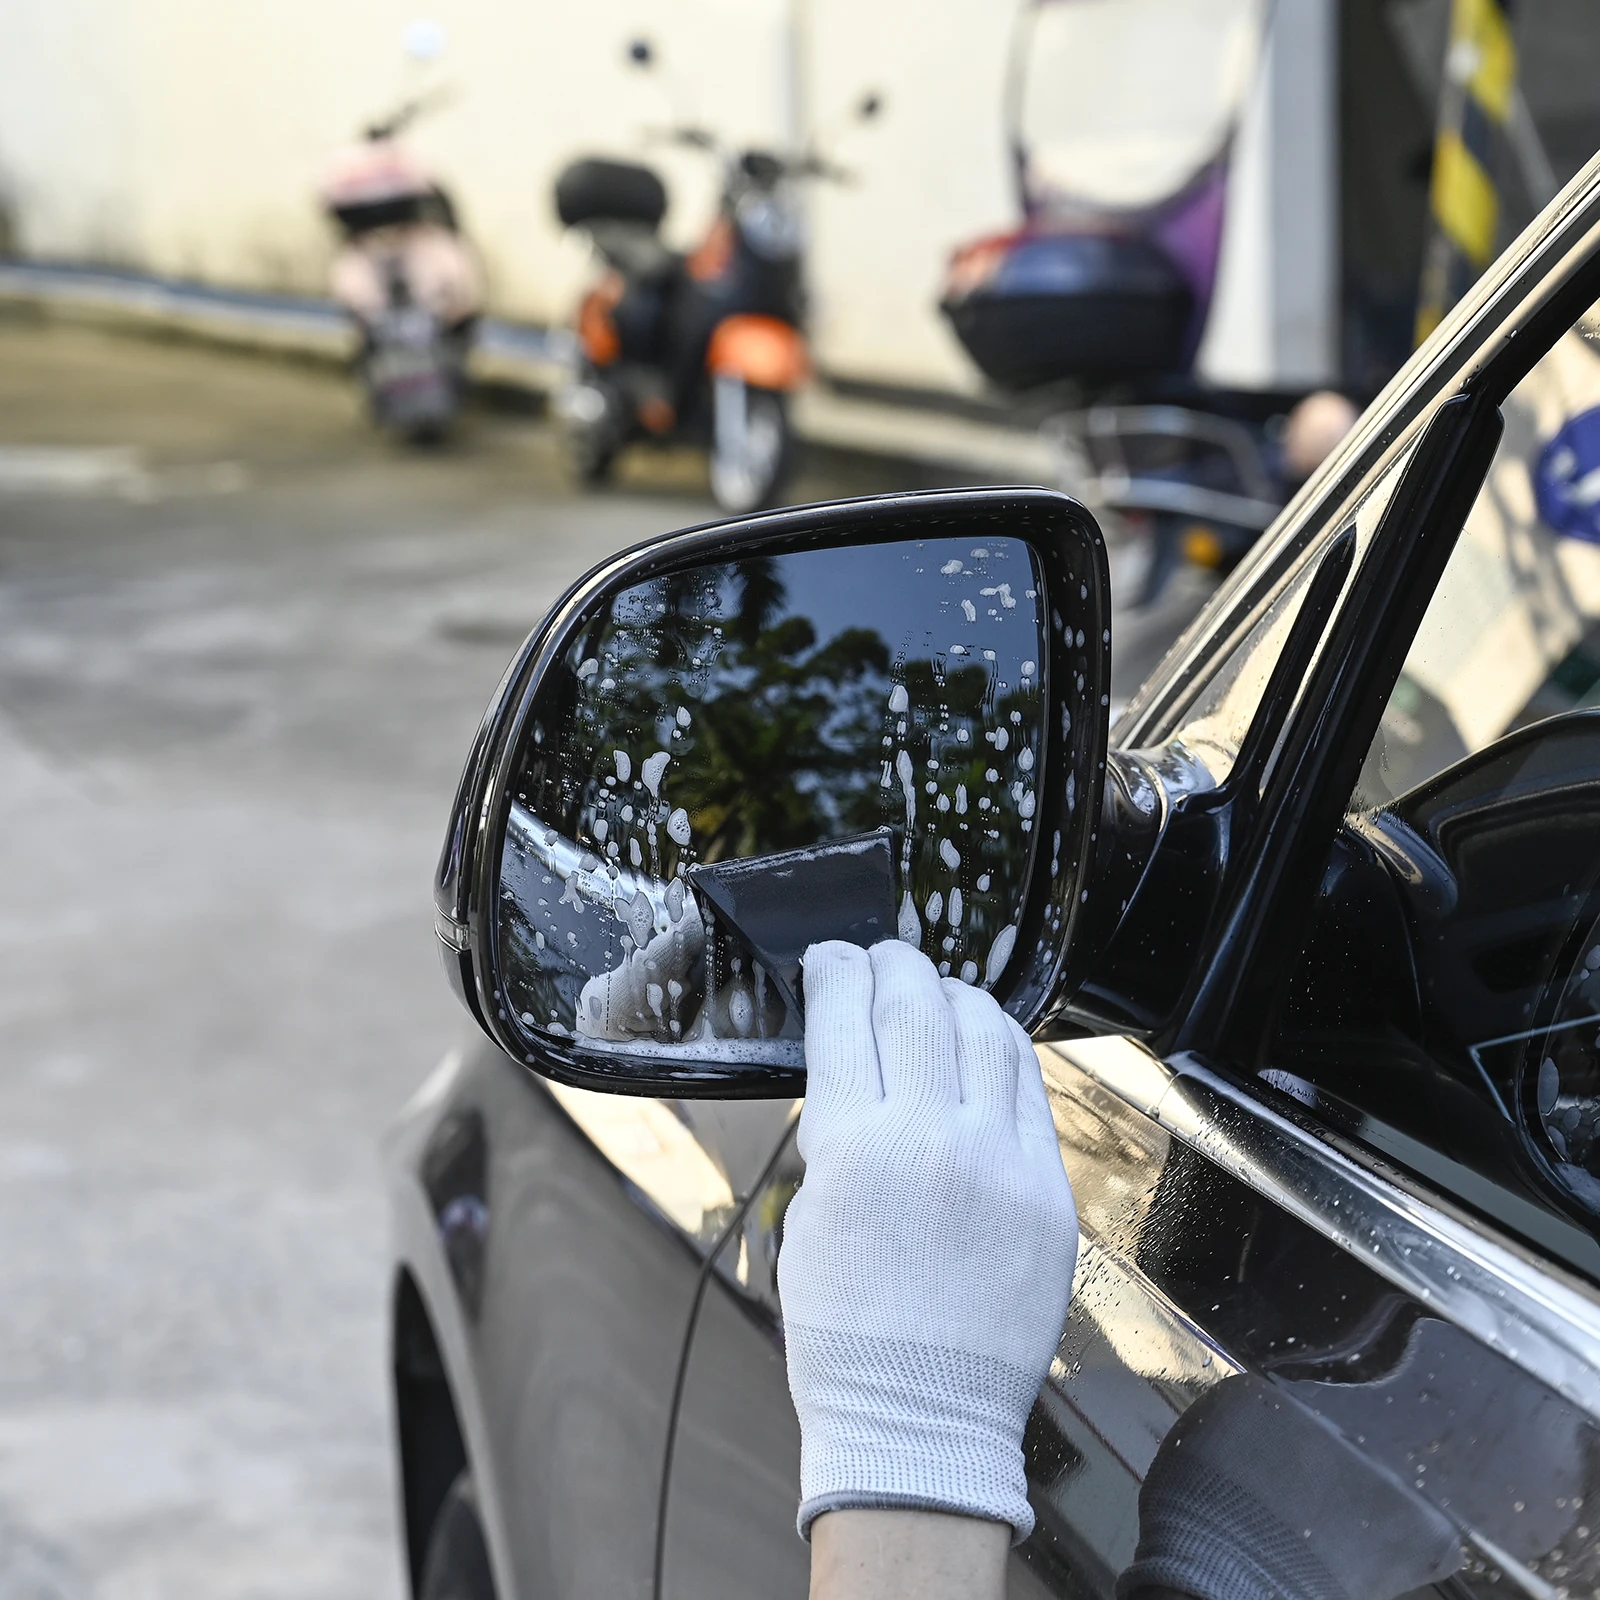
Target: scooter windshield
1117,104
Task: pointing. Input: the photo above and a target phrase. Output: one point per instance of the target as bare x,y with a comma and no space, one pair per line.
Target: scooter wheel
591,459
752,446
589,431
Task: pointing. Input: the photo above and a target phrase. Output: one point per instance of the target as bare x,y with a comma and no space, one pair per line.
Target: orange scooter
706,347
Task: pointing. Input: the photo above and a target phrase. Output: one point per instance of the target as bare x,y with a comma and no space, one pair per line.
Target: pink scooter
406,276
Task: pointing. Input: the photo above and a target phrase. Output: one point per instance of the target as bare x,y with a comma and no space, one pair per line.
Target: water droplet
651,769
999,954
909,926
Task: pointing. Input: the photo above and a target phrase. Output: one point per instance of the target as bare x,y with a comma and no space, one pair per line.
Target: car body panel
1189,1276
1456,1365
562,1339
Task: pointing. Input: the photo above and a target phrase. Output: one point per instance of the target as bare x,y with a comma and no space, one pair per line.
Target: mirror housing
922,679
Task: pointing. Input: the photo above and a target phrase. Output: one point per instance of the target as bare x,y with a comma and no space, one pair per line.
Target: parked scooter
705,348
406,276
1097,302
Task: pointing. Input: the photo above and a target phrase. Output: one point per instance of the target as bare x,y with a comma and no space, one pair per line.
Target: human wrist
892,1424
887,1555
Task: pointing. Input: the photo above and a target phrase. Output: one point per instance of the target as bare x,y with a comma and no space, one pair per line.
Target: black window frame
1227,1018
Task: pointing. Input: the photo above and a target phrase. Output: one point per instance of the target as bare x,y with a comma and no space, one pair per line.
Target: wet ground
243,648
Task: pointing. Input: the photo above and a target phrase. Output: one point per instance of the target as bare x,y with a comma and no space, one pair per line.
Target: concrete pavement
236,683
243,648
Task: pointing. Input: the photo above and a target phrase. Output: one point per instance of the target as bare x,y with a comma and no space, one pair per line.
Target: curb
510,355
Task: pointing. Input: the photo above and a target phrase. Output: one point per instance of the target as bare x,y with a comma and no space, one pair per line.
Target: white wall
1274,321
185,137
934,173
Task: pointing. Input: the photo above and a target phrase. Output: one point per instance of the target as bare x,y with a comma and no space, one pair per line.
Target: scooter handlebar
815,166
692,137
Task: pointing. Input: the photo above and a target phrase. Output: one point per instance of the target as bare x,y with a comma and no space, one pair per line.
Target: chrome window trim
1536,1317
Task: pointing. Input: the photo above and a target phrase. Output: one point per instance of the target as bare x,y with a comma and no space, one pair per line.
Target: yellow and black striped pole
1480,74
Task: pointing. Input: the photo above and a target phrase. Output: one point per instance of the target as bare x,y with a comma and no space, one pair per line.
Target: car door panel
1190,1276
735,1479
1401,1330
600,1214
735,1485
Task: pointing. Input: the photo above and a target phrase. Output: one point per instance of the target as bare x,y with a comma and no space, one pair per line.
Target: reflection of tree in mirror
767,752
779,748
768,704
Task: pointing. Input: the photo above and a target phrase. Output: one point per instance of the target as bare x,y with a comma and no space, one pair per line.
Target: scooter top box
1039,306
596,190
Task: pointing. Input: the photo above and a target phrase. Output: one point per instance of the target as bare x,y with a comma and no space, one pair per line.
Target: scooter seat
595,190
635,251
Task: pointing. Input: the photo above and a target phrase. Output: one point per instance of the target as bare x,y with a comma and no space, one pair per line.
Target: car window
1446,1006
1513,632
1220,714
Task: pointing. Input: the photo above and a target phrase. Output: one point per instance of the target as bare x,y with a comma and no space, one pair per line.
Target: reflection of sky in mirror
894,685
884,594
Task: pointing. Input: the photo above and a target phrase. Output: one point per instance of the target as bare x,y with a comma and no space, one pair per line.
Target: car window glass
1446,1006
1513,633
1220,714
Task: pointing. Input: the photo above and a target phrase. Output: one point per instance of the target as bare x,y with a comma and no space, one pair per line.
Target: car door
1357,1287
576,1228
1132,1357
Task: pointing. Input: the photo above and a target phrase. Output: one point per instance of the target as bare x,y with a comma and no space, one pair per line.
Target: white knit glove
927,1260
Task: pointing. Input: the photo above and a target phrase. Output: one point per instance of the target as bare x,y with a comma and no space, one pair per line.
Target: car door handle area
1221,1239
1540,1320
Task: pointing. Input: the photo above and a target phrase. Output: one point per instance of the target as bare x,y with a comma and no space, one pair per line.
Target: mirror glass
756,706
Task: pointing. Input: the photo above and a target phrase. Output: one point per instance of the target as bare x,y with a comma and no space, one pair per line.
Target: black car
1309,942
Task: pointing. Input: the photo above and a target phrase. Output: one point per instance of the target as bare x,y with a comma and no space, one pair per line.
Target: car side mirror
871,719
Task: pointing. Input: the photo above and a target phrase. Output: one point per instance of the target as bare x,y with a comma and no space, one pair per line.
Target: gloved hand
927,1260
1250,1498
